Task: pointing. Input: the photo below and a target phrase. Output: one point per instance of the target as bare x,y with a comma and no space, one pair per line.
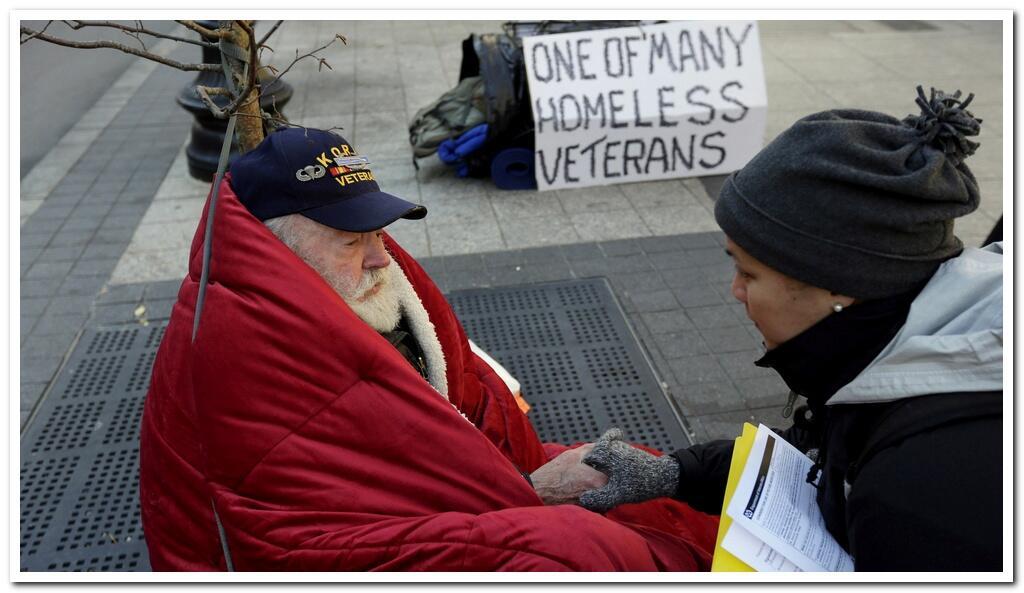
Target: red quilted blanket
300,434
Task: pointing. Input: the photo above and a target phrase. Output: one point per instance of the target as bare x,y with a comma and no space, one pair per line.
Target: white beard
381,311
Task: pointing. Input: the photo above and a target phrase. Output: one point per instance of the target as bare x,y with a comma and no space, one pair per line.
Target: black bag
498,60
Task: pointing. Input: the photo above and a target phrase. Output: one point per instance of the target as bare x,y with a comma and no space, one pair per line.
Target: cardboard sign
678,99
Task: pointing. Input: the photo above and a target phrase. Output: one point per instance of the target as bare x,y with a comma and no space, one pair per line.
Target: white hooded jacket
952,340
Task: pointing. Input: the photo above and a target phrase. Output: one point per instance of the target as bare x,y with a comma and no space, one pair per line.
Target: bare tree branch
313,53
204,92
215,90
34,35
260,50
138,29
247,85
214,34
269,33
273,105
270,68
283,122
137,35
120,47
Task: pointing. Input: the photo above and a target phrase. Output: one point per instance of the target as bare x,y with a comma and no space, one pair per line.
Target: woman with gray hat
841,230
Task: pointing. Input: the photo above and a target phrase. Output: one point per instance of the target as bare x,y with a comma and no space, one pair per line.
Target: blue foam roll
512,168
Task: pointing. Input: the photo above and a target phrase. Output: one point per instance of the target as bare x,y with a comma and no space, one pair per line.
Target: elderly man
330,414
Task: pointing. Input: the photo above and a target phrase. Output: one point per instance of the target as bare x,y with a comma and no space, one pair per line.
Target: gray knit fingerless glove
633,475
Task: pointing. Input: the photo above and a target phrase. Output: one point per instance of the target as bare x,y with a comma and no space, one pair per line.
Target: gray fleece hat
857,202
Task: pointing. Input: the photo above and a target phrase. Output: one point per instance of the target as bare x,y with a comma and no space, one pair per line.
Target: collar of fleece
422,329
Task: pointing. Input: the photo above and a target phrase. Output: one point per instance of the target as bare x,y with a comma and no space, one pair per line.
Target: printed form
776,520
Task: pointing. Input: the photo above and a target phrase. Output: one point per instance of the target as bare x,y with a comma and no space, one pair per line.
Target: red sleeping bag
298,431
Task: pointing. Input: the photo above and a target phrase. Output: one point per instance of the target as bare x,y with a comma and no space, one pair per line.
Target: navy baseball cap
319,175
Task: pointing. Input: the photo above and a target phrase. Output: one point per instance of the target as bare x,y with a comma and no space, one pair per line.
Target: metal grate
156,336
636,415
496,302
141,372
113,562
569,420
106,342
515,330
124,426
611,368
590,325
578,295
580,366
545,373
43,484
94,377
79,458
69,426
102,515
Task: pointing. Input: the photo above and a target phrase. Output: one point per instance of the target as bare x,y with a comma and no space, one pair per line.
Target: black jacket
927,497
930,502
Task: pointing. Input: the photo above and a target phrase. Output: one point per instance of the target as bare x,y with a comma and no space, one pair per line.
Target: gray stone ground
108,215
74,239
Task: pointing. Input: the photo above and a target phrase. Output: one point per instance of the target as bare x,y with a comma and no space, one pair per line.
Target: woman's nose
739,289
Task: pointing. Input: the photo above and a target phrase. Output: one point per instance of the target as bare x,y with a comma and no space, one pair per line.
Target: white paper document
774,505
759,555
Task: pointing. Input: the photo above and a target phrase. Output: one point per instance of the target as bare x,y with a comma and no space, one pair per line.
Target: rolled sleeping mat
512,168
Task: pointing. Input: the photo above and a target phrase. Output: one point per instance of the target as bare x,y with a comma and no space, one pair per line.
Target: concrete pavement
49,71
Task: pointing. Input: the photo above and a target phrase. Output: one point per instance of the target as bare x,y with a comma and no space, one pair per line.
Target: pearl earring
838,307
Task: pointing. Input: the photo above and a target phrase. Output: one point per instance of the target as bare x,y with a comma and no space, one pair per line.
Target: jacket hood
952,340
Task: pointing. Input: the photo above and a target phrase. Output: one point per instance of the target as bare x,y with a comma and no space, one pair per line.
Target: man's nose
377,255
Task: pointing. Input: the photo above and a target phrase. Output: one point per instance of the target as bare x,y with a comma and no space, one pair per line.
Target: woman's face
780,307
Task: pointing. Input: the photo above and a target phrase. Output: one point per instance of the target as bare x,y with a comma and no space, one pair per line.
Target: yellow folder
723,561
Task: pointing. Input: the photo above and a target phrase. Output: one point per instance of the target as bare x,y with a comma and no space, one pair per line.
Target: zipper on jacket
788,410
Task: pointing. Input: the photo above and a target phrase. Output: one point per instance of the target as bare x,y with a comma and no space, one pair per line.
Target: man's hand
564,478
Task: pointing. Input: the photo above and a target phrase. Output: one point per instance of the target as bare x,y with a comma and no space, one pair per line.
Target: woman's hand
633,475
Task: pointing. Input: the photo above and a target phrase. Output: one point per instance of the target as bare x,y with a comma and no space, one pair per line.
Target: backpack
454,112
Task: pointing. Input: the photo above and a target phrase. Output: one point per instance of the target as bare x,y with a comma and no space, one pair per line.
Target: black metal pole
207,131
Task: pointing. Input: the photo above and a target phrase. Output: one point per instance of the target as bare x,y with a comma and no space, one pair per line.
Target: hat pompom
945,123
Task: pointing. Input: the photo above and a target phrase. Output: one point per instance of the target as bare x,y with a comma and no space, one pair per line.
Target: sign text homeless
671,100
